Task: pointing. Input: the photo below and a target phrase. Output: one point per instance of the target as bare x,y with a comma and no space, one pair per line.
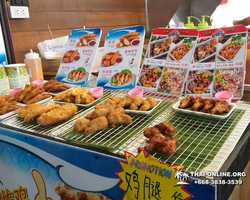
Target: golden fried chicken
99,112
96,124
136,103
152,101
198,104
119,118
126,102
62,96
117,99
31,116
34,92
186,102
169,146
146,105
38,98
81,124
8,108
107,104
150,132
57,115
24,111
208,104
54,86
166,129
19,96
220,107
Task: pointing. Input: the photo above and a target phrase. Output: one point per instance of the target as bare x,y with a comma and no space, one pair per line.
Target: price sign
144,177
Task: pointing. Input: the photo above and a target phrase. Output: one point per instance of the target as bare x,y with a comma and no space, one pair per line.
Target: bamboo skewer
50,32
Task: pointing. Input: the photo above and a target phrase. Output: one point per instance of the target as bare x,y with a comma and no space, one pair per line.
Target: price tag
144,177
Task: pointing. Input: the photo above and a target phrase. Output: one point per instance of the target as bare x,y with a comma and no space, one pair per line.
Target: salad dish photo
199,82
77,75
159,48
150,77
121,78
231,48
205,51
181,49
172,80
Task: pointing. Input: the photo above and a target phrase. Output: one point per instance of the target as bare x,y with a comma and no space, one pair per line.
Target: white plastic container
33,65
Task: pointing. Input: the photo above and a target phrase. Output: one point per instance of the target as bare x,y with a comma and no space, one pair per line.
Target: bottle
203,25
33,64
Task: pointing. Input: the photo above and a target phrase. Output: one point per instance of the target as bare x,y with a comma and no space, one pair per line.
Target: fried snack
81,124
146,106
152,101
20,95
99,112
157,142
186,102
24,111
62,96
126,102
198,104
7,108
136,103
109,58
166,129
56,115
117,99
31,116
33,92
96,124
118,118
220,107
108,103
208,104
39,97
54,86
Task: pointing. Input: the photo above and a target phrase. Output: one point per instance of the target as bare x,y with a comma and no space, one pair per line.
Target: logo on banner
145,177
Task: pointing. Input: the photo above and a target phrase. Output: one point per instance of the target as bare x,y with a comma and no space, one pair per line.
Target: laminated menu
167,60
231,61
78,59
201,70
121,58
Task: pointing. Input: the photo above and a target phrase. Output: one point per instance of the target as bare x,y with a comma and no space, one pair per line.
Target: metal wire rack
204,144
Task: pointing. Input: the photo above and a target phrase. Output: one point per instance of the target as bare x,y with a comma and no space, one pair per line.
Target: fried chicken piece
99,112
96,124
146,106
81,124
136,103
39,97
169,146
8,108
117,99
152,101
118,118
150,132
186,102
88,97
126,102
62,96
208,104
54,86
198,104
34,92
57,115
20,95
108,103
31,116
166,129
24,111
220,107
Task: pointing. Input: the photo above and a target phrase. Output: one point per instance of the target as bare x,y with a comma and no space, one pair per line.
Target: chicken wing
169,146
166,129
186,102
96,124
198,104
118,118
99,112
34,92
31,116
208,104
81,124
57,115
107,104
220,107
126,102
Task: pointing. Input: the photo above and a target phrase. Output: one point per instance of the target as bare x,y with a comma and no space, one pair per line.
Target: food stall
134,131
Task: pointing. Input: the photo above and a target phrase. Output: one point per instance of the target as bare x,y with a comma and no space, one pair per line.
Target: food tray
144,112
201,114
79,105
39,102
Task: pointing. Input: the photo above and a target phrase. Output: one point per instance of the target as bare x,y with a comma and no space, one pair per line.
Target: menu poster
167,60
121,58
201,71
78,60
231,61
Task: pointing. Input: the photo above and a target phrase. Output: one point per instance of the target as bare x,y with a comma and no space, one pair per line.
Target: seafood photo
77,74
200,84
126,40
149,78
121,78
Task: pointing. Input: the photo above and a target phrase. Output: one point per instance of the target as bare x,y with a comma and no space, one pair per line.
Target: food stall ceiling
159,13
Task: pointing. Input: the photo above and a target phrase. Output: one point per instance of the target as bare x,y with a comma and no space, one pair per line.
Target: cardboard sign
146,178
78,60
167,60
121,58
